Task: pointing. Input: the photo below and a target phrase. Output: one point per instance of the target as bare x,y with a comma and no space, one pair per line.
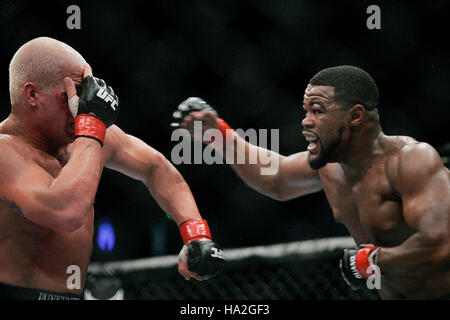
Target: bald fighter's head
37,91
44,62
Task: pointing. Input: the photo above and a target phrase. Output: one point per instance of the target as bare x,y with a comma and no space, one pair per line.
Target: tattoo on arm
13,206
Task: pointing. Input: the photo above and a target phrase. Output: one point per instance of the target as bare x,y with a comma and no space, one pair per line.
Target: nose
307,122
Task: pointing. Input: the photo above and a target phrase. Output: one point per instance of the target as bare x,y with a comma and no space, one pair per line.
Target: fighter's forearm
418,255
258,167
171,192
69,197
81,175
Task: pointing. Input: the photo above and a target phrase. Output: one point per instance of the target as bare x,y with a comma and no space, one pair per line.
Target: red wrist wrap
362,261
194,229
90,126
225,129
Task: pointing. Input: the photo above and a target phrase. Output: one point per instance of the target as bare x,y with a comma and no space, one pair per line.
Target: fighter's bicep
424,187
295,173
130,155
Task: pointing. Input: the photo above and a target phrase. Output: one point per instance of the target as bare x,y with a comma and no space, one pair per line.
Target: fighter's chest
368,208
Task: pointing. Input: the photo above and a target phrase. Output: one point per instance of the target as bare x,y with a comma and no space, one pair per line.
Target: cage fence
304,270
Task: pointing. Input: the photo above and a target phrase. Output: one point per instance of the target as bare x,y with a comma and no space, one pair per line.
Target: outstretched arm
276,176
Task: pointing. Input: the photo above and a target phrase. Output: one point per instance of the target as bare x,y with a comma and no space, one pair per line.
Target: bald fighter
391,192
54,145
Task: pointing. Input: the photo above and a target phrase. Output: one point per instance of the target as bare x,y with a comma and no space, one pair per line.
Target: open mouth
313,146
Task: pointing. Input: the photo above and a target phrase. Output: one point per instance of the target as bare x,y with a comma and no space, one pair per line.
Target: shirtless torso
34,256
371,209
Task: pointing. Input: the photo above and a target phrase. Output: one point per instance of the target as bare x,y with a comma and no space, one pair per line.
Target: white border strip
269,251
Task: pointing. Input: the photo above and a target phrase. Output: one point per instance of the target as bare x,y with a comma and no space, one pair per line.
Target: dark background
251,60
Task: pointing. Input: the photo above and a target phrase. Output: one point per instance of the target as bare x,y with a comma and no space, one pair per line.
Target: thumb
69,86
72,98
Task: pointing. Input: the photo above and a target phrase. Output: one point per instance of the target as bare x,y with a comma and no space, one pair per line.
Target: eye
317,108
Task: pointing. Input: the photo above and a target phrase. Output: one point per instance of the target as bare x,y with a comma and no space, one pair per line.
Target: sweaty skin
390,191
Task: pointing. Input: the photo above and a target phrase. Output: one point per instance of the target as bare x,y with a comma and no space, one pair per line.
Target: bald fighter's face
323,125
56,111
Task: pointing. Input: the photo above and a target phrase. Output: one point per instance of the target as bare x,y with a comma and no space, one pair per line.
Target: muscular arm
134,158
59,203
424,186
291,176
276,176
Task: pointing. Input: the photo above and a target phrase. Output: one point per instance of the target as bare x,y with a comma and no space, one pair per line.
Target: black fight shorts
9,292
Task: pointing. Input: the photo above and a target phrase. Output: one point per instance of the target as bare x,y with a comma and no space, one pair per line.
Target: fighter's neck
15,126
361,151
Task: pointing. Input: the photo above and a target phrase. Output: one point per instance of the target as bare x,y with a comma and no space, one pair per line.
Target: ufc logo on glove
105,96
217,253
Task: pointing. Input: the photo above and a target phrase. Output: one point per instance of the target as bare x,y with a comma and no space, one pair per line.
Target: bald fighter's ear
356,115
30,90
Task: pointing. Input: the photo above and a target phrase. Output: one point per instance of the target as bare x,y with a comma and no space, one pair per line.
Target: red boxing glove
90,127
194,229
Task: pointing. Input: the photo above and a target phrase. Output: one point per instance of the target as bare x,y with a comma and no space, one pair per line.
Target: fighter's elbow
279,191
71,223
156,164
282,192
61,221
72,218
279,195
275,196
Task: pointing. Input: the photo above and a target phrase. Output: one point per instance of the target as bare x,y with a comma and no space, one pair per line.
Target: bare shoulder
416,155
413,163
13,157
420,158
11,145
7,139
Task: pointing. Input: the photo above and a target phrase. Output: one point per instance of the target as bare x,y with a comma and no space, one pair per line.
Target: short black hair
352,85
